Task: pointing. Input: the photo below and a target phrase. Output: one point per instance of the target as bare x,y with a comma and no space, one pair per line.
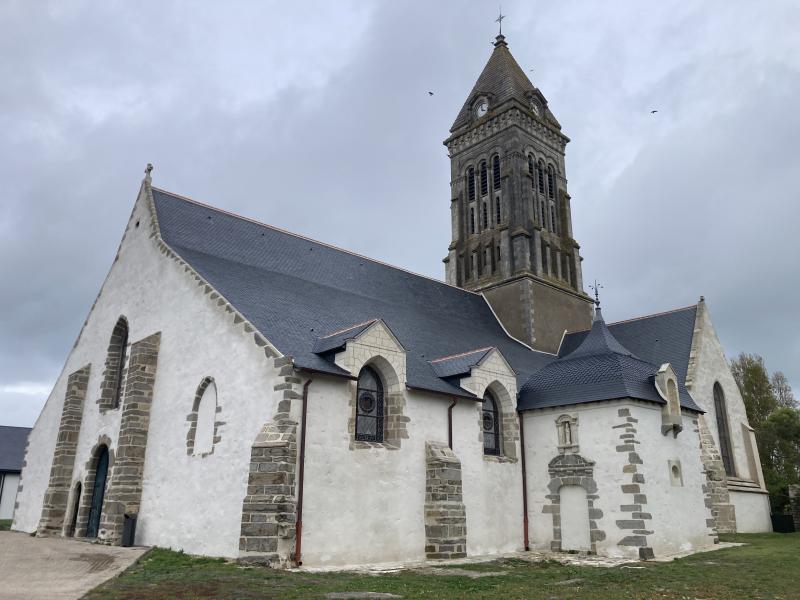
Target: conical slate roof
501,80
599,369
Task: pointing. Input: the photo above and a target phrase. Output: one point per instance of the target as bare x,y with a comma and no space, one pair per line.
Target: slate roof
600,368
460,364
501,79
12,447
297,291
660,338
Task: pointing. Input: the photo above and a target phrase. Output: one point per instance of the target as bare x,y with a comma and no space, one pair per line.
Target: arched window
530,164
471,183
497,210
540,176
111,390
491,425
723,430
472,220
485,216
496,172
553,226
551,188
484,179
544,213
369,406
205,411
545,265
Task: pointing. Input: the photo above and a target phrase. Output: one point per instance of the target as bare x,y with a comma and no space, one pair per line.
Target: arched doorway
76,504
98,492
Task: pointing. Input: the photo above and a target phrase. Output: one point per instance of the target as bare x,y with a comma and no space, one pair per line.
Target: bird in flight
652,112
430,93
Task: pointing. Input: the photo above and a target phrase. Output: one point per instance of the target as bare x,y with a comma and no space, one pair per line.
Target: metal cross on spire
596,288
499,19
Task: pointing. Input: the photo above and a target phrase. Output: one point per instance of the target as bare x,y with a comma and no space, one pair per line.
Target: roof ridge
357,325
452,356
309,239
650,316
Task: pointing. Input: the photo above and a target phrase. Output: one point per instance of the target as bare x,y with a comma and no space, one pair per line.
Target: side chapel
242,391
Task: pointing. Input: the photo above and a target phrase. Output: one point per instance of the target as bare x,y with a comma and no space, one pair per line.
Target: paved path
56,568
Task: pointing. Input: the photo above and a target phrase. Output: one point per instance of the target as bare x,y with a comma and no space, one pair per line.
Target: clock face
482,107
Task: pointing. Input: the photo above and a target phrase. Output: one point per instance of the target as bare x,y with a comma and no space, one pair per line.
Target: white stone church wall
678,514
366,505
188,502
707,366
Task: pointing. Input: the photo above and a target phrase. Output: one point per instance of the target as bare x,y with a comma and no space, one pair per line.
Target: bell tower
510,210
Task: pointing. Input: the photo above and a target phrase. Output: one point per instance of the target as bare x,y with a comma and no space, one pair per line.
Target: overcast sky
316,117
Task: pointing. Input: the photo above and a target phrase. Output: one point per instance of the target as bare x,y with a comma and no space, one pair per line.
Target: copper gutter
450,423
298,527
524,480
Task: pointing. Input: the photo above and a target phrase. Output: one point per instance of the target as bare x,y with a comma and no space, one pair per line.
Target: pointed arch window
496,172
369,406
114,375
497,210
472,220
540,176
530,164
550,182
723,430
490,423
471,183
484,179
485,216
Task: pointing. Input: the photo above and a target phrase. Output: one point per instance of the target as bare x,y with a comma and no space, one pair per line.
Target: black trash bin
129,530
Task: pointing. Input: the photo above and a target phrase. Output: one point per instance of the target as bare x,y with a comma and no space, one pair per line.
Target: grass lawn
5,524
768,567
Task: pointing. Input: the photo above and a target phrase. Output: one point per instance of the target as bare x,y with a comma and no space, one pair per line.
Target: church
241,391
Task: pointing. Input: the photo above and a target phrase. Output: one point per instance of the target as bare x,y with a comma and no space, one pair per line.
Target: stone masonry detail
635,526
125,488
57,494
573,469
269,510
445,514
717,497
191,418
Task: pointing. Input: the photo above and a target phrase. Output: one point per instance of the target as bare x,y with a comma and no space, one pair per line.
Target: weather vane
499,19
596,287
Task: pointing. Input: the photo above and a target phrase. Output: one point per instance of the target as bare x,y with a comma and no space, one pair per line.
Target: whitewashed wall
679,514
366,505
752,512
188,502
708,366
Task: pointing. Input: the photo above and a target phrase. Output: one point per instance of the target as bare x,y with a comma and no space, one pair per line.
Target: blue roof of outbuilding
600,368
295,290
12,447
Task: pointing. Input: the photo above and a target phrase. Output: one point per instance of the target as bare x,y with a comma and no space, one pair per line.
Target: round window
488,422
366,402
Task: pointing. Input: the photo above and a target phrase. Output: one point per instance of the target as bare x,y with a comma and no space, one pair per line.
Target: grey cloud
316,118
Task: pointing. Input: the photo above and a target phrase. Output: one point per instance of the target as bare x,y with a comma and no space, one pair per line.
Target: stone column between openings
124,492
445,515
56,497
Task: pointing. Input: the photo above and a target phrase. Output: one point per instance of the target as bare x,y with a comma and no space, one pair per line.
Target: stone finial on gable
147,171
